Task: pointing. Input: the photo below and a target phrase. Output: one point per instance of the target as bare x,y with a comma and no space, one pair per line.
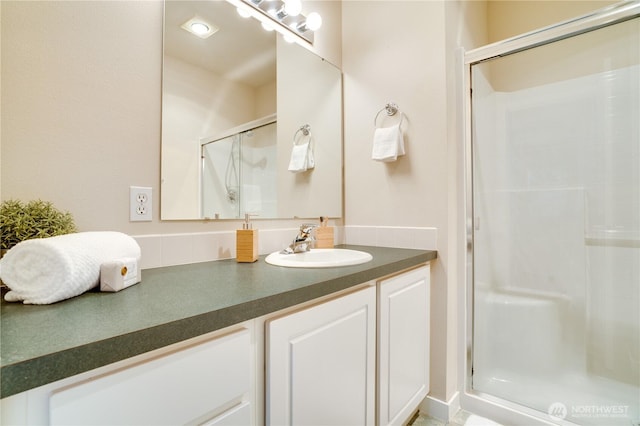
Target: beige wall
81,106
399,56
406,53
81,95
81,120
81,85
510,18
466,30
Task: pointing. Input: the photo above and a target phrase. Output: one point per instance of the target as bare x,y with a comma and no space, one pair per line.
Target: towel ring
391,110
305,129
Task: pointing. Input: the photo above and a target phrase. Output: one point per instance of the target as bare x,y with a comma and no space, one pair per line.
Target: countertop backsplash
178,249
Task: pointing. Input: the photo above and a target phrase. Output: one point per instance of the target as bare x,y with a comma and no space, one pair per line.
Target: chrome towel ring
391,109
305,129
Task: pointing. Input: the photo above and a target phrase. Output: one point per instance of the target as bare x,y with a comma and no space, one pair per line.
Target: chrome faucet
303,241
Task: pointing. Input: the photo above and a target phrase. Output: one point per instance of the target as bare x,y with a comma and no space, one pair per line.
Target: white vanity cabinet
320,363
356,357
202,383
403,345
209,380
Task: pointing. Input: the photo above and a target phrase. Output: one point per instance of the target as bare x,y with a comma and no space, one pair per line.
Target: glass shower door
556,227
221,172
239,174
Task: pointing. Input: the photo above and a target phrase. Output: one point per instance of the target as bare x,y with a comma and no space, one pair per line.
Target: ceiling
240,51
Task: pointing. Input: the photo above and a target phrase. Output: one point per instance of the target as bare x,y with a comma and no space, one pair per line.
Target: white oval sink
319,258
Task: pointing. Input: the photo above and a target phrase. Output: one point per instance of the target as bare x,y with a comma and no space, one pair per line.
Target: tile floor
457,420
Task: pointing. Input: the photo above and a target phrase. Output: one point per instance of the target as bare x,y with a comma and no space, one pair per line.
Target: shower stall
238,173
553,213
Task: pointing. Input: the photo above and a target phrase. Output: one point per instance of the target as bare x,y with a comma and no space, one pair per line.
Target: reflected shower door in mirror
220,86
235,173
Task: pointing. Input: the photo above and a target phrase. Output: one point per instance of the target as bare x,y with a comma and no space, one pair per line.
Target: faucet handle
305,231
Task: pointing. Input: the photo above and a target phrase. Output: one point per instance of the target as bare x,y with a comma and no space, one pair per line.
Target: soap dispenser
324,234
246,242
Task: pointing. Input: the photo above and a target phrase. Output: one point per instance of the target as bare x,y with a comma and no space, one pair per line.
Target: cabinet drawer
173,389
237,416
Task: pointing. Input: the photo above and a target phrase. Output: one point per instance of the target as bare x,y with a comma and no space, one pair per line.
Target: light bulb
293,7
288,38
273,12
267,27
314,21
199,28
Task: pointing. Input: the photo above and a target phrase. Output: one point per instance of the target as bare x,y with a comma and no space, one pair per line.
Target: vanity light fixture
199,27
289,38
312,23
282,15
289,8
243,12
267,26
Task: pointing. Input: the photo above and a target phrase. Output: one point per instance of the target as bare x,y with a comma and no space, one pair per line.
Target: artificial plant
34,219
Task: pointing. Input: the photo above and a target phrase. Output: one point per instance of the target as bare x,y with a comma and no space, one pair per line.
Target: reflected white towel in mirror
302,158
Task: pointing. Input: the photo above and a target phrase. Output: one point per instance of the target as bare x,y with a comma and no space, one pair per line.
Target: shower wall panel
556,218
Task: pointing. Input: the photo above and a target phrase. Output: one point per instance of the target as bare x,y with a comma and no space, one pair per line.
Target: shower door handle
470,227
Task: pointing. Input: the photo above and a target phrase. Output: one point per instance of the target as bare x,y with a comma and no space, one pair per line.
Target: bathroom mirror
231,106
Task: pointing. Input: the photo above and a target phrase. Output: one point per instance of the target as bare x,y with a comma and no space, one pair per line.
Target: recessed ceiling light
199,27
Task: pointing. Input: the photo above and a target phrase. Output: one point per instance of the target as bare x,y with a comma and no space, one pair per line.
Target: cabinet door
403,339
321,363
178,388
236,416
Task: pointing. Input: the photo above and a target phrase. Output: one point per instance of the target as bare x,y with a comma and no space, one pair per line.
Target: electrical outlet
140,202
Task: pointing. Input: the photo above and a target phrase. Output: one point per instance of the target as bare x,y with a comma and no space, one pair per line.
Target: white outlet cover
140,204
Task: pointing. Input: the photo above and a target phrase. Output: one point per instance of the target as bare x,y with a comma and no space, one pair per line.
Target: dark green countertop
40,344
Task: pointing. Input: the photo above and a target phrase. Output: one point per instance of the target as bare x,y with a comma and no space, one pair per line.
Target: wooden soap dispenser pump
247,241
324,234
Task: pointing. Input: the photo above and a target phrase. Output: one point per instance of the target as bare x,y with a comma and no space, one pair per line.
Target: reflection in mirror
219,90
236,176
309,93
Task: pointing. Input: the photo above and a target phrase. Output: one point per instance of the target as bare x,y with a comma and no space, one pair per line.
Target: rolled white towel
47,270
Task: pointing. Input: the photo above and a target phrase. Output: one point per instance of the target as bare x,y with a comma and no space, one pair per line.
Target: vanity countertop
41,344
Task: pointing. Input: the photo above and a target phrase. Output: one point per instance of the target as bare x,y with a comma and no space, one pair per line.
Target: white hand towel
388,143
302,158
47,270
